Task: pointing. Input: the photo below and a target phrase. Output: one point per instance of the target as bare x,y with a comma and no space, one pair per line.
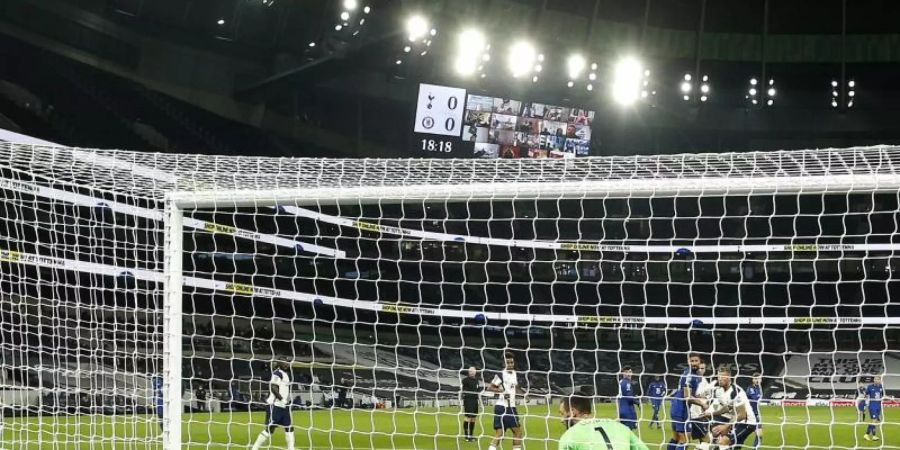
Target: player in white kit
733,419
699,421
278,412
506,385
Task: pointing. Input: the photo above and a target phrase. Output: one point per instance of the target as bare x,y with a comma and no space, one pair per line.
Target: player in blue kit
754,394
158,398
627,401
874,393
681,400
656,391
861,399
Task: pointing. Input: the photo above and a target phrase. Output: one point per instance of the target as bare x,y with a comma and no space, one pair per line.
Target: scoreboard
439,121
451,123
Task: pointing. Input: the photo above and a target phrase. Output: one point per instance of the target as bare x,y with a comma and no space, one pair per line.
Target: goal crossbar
615,188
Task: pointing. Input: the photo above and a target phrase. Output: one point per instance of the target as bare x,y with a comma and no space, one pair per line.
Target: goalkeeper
587,433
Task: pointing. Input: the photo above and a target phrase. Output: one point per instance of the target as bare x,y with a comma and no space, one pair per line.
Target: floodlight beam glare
416,27
627,76
522,56
470,47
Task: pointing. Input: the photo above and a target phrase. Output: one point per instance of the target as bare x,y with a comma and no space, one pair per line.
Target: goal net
150,300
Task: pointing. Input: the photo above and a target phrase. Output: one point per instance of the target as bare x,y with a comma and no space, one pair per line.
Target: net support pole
172,334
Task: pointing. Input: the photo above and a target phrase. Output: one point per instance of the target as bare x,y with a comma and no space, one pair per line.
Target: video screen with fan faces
494,127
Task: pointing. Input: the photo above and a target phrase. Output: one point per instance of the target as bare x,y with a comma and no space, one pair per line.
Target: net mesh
377,305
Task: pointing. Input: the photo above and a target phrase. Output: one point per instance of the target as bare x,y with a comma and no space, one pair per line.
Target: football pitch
801,428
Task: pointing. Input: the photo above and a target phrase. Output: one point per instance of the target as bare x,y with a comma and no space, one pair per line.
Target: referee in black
471,391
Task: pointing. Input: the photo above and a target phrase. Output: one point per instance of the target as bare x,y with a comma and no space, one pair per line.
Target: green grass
806,428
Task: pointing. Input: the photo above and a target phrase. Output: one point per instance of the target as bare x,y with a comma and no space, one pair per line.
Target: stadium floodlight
312,44
345,16
416,27
686,85
472,40
367,9
221,21
770,93
627,76
575,65
470,47
851,92
522,56
753,92
351,5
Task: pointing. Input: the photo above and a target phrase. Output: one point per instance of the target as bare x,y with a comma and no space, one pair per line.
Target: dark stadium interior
254,84
277,78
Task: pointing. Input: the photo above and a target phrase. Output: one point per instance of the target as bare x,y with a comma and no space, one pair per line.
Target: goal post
172,327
